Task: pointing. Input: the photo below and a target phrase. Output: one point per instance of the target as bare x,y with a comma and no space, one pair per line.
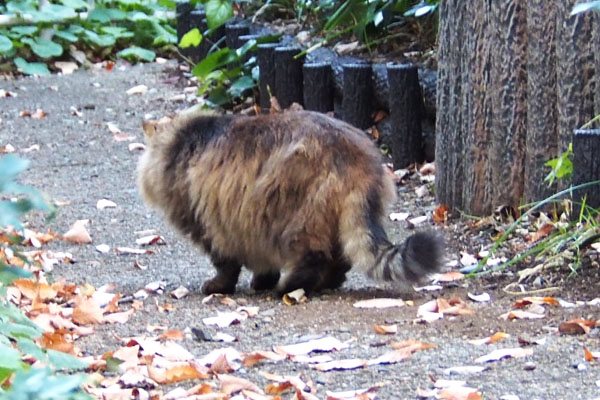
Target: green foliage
17,332
45,33
588,5
192,38
228,74
562,166
373,17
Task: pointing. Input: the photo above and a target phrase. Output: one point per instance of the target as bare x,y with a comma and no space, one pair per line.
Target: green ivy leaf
106,15
44,48
242,84
66,35
28,346
5,44
117,31
31,68
135,53
213,61
9,274
218,12
168,4
53,12
75,4
5,373
62,360
18,31
99,40
10,358
192,38
15,330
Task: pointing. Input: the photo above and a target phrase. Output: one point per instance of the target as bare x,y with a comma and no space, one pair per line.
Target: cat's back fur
297,191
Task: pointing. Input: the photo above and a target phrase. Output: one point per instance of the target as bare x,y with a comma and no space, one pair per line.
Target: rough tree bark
516,77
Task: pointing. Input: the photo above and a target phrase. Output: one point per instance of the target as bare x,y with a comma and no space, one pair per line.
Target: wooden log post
357,100
318,87
405,106
586,166
182,12
288,76
233,34
266,74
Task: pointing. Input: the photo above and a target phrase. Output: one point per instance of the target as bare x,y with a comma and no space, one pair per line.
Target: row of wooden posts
292,79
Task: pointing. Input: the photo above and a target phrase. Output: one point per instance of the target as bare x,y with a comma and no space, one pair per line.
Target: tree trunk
515,79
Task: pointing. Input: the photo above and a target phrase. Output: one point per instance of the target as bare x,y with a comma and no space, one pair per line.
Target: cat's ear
150,128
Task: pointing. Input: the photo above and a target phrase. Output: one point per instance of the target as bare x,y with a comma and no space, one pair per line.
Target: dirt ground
80,162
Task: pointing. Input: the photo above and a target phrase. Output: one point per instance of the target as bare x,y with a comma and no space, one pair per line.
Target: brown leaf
174,334
39,114
459,393
32,290
57,341
440,215
492,339
551,301
450,276
231,384
576,327
540,233
78,233
252,358
113,305
521,314
412,345
385,329
588,355
87,312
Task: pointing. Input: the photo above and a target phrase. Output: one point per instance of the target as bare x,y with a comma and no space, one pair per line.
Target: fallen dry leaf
78,233
87,312
521,314
576,326
252,358
541,233
398,216
440,215
459,393
39,114
180,292
224,319
525,301
177,373
139,89
150,239
449,276
480,298
341,365
66,67
590,356
385,329
325,344
32,290
412,345
105,203
491,339
500,354
295,297
231,384
380,303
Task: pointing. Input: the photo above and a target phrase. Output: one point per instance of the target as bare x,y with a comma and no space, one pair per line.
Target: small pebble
529,366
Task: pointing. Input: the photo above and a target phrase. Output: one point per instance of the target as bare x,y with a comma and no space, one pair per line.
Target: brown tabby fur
298,192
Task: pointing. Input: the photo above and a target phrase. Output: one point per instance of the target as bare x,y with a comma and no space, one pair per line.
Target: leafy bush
17,333
42,33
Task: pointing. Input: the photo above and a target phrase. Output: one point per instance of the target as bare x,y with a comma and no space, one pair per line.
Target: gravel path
79,162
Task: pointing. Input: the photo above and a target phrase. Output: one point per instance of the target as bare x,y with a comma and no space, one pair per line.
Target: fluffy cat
298,192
